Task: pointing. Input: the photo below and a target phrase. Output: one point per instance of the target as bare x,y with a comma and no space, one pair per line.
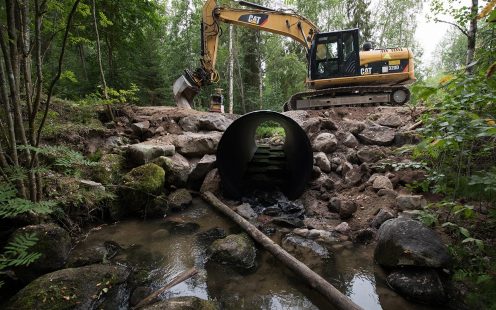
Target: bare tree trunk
231,69
472,36
260,71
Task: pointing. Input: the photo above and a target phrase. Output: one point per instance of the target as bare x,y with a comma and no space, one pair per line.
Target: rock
354,176
139,293
90,287
347,209
377,135
343,228
180,199
237,250
405,242
209,236
334,204
115,142
370,154
200,170
350,140
382,182
288,221
363,236
140,128
325,142
197,144
387,193
87,255
420,285
141,153
184,303
312,125
211,182
410,202
176,169
322,162
205,122
316,172
406,137
138,186
109,169
298,116
308,251
390,120
353,126
180,227
92,185
54,244
344,167
382,216
246,211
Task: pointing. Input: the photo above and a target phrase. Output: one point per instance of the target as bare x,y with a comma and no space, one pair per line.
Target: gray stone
288,221
410,202
184,303
236,250
347,209
387,193
211,183
382,216
325,142
205,122
302,247
197,144
377,135
406,137
350,140
420,285
382,182
353,126
180,199
354,176
343,228
54,244
363,236
92,185
334,204
370,154
406,242
246,211
89,287
200,170
298,116
140,128
177,169
390,120
322,162
142,153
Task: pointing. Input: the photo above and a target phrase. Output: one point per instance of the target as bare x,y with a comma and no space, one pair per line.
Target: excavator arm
283,22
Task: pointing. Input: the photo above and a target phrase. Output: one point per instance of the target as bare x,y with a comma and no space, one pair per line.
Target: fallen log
178,279
333,295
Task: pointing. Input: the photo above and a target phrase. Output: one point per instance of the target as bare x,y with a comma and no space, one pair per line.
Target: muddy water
158,256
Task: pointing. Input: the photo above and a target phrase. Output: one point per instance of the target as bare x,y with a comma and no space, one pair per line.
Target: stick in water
178,279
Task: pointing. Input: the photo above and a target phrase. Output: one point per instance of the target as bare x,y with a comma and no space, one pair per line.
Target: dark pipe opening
238,146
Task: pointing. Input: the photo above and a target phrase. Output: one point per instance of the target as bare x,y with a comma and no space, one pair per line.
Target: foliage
269,130
16,253
11,206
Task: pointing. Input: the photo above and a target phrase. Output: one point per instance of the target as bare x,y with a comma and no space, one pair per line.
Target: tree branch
464,31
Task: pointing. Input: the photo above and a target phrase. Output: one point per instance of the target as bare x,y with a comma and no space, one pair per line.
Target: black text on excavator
339,74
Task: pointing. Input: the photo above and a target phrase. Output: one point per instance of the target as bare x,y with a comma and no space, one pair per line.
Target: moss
109,169
149,178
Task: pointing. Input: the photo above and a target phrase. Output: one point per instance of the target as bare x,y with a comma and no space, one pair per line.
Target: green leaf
464,232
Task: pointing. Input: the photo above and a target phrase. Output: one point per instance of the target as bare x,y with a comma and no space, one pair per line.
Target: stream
157,256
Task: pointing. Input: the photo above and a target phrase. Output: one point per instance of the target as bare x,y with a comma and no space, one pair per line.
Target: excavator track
348,96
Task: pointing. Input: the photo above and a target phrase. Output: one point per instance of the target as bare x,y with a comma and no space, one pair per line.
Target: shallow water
160,256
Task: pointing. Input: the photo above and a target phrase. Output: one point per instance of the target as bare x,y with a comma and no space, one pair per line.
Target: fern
11,206
16,253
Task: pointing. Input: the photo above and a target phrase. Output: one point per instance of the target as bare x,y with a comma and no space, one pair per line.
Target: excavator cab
335,54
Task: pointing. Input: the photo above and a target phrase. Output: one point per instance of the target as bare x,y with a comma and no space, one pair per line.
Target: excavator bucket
184,92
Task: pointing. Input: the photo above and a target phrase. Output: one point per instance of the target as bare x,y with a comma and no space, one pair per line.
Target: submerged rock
302,247
184,303
90,287
236,250
181,228
406,242
421,285
54,244
211,235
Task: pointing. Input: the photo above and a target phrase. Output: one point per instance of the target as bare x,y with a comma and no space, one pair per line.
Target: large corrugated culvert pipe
244,166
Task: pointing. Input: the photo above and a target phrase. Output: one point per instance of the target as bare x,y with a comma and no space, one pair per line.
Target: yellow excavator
339,73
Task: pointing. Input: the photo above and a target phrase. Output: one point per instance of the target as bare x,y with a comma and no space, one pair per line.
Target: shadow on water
157,256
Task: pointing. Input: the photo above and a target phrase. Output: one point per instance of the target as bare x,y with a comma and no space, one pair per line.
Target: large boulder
197,144
325,142
205,122
390,120
406,242
90,287
177,169
236,250
54,244
142,153
200,170
184,303
139,185
375,134
421,285
109,169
